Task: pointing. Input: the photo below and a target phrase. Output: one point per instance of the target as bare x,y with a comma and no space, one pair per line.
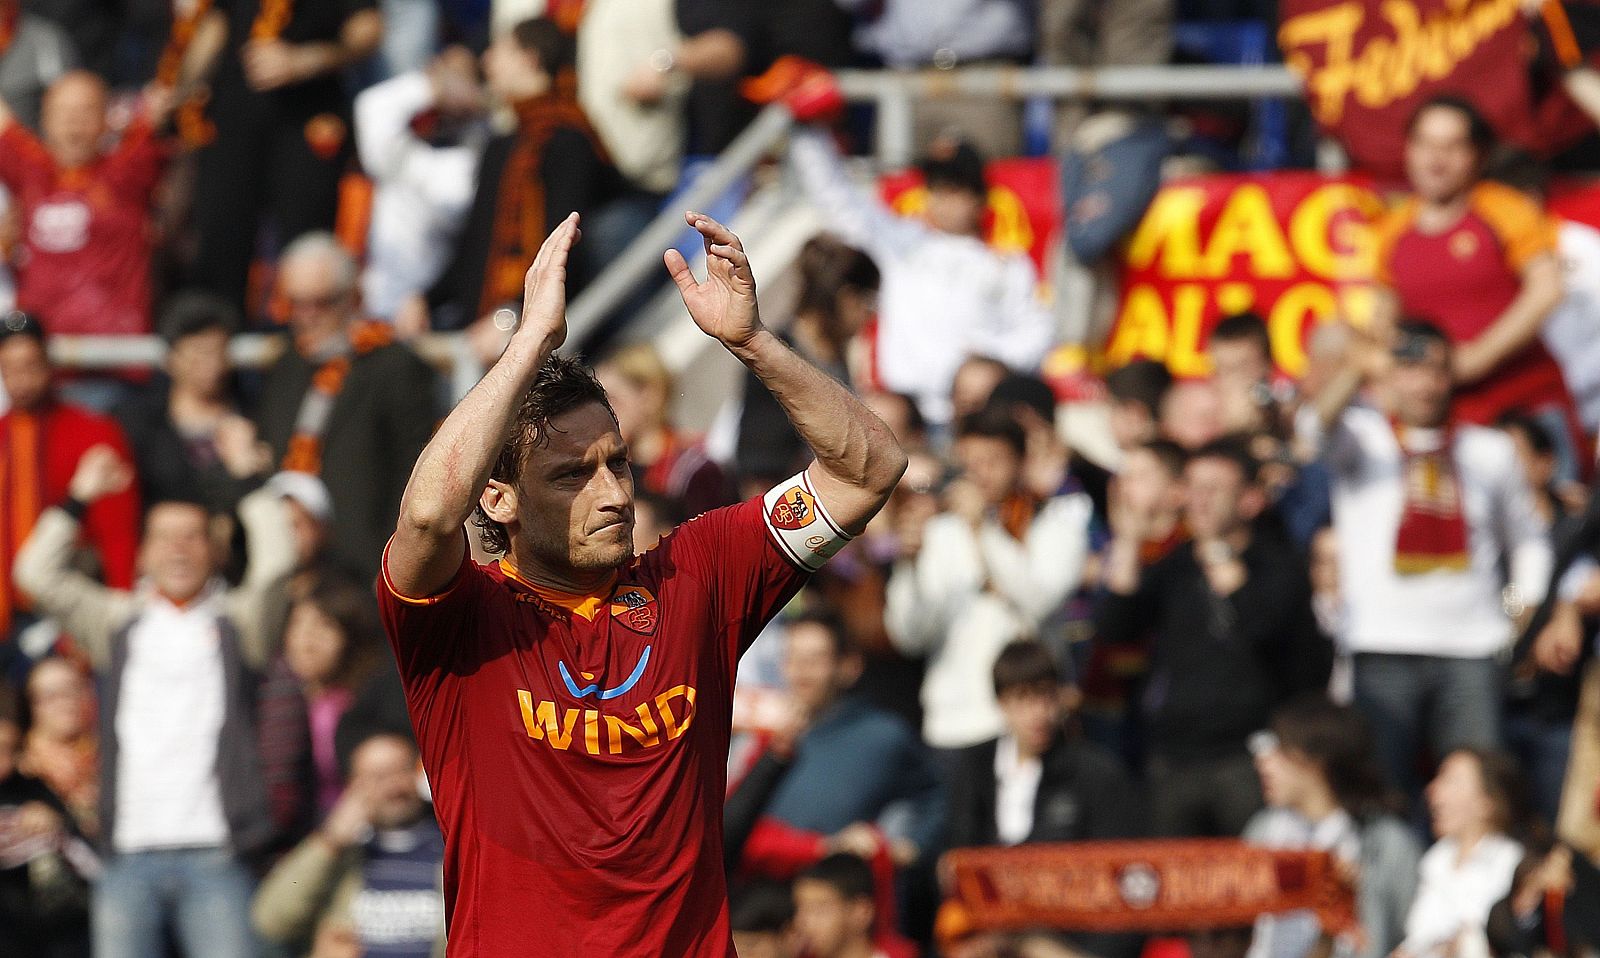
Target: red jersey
577,747
86,233
1463,278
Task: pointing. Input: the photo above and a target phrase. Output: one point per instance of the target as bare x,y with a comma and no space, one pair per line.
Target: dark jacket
166,466
1220,664
380,421
1084,795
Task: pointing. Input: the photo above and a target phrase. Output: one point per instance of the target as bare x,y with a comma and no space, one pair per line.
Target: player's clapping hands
544,288
724,305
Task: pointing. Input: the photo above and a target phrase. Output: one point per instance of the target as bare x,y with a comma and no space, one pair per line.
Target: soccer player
573,701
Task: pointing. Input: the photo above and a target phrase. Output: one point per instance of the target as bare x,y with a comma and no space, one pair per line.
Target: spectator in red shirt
1478,259
84,212
41,441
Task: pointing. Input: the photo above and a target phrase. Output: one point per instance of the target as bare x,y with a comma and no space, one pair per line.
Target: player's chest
627,685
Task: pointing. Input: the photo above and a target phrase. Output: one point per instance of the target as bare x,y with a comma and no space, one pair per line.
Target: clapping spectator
993,567
1424,513
1478,806
60,748
281,121
44,442
44,865
189,439
370,880
1325,791
664,461
345,402
182,799
945,294
1137,393
838,294
420,136
1234,637
85,211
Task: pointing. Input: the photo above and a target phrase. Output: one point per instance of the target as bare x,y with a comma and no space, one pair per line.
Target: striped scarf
1433,530
316,409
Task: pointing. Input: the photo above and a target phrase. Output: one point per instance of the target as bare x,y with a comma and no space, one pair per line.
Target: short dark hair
563,384
828,620
1535,432
955,164
1171,455
847,874
185,503
1143,381
994,421
1506,787
1479,131
761,906
828,267
191,313
541,37
1412,331
1338,739
1023,664
1021,389
1243,327
20,323
1234,449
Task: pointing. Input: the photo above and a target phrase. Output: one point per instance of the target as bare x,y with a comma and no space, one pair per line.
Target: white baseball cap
305,489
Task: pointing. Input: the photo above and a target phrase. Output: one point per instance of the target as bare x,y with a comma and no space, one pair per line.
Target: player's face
825,922
575,498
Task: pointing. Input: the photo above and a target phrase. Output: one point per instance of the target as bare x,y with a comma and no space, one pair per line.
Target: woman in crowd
1325,791
1478,803
60,748
665,462
838,294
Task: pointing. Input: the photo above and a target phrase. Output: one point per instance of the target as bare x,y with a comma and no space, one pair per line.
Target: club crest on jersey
795,509
635,607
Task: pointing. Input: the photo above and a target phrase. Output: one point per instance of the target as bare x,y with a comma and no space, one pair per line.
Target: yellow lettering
591,731
1141,329
541,722
669,721
1248,227
1169,229
1188,306
1334,27
1332,245
1235,298
1287,321
645,735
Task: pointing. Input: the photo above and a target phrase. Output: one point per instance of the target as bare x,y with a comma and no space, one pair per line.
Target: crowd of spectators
1354,613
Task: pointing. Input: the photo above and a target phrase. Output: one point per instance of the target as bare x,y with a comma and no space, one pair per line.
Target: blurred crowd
1353,612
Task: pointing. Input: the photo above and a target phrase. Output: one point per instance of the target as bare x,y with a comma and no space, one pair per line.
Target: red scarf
271,19
21,495
316,409
1433,530
519,225
190,117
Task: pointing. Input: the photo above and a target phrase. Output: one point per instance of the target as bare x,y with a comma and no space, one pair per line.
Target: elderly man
344,402
84,212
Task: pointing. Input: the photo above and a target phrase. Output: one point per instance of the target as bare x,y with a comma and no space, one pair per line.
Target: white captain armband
801,524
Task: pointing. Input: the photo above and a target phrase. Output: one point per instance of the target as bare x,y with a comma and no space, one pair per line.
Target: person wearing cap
1425,511
189,439
944,293
42,441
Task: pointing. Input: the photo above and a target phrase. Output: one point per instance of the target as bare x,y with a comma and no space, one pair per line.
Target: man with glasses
344,402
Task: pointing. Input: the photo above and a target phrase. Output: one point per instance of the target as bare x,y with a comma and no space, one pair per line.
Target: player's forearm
853,446
455,465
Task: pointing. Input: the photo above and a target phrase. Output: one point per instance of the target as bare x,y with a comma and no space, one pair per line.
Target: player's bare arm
453,471
858,459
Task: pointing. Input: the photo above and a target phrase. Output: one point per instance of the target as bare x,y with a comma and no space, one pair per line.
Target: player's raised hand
724,305
544,288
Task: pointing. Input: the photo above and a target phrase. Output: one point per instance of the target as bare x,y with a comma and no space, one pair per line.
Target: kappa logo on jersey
795,509
635,607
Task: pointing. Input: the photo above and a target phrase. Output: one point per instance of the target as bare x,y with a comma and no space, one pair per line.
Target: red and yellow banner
1296,248
1024,213
1151,886
1368,63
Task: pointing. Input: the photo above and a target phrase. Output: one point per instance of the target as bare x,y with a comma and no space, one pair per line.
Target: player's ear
499,501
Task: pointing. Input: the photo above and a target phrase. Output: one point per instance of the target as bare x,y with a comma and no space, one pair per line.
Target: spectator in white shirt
182,800
992,568
945,295
419,136
1425,512
1477,799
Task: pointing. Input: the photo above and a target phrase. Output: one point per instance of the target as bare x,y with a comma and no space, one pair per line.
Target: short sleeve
754,556
1525,231
428,633
1386,234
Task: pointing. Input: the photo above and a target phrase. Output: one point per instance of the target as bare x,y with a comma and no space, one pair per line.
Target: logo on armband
795,509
